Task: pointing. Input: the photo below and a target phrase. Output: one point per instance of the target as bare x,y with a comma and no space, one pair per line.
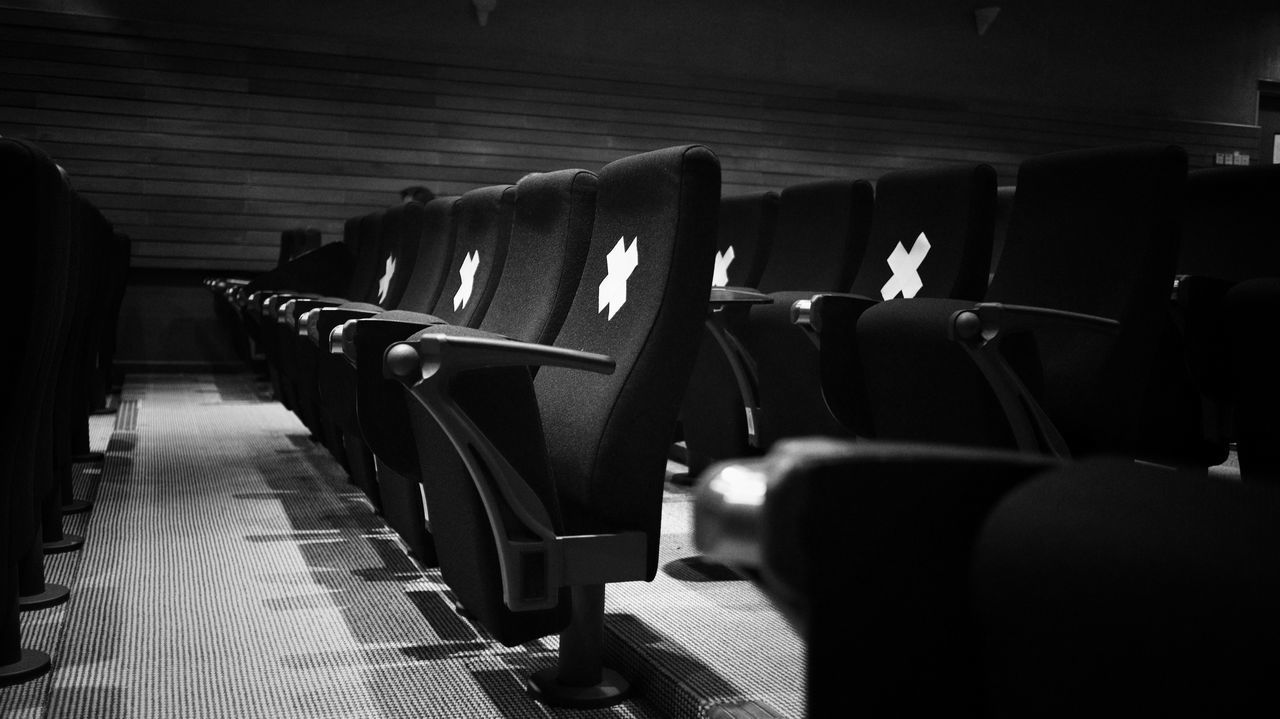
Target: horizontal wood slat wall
203,146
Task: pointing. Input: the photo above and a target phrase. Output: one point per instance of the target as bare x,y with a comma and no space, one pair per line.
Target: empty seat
820,237
931,237
550,227
467,278
1249,311
565,481
1073,336
1229,223
865,546
1112,584
37,211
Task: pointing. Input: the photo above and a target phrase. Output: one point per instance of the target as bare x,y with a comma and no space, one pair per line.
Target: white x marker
384,284
466,271
720,276
622,262
906,280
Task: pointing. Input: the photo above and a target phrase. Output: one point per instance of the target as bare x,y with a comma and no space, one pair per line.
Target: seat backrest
931,236
479,250
747,227
1096,232
296,241
37,211
369,264
821,236
398,237
641,300
434,223
551,228
1230,222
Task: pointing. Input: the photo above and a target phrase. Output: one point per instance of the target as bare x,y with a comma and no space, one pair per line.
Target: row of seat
933,568
781,357
64,298
514,356
541,487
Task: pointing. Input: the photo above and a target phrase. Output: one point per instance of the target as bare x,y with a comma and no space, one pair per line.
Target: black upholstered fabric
480,249
1092,231
608,454
747,226
550,227
819,239
1230,223
821,236
36,207
867,547
606,436
1145,592
1250,309
954,209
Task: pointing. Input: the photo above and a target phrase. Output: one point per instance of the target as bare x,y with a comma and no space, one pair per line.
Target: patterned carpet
230,570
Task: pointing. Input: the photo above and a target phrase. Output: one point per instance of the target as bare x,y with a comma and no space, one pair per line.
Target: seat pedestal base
32,664
68,543
546,688
53,595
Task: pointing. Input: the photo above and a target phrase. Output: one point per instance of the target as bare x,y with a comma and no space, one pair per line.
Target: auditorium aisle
230,570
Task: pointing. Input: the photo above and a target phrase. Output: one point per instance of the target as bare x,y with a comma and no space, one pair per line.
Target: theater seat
1009,584
550,227
865,547
564,492
1113,587
931,237
1074,335
819,240
464,283
1228,241
35,206
1249,310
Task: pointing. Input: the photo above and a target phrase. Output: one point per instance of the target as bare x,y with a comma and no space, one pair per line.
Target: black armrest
737,296
426,366
292,309
980,329
829,312
318,322
383,416
899,519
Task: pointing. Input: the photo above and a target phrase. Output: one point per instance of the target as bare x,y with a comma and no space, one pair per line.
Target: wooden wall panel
204,145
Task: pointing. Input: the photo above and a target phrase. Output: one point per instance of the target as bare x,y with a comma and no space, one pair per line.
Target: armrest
361,336
737,296
534,561
784,517
294,308
980,330
434,354
317,322
381,411
829,312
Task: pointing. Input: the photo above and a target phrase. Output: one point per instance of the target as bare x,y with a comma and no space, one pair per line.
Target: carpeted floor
231,571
